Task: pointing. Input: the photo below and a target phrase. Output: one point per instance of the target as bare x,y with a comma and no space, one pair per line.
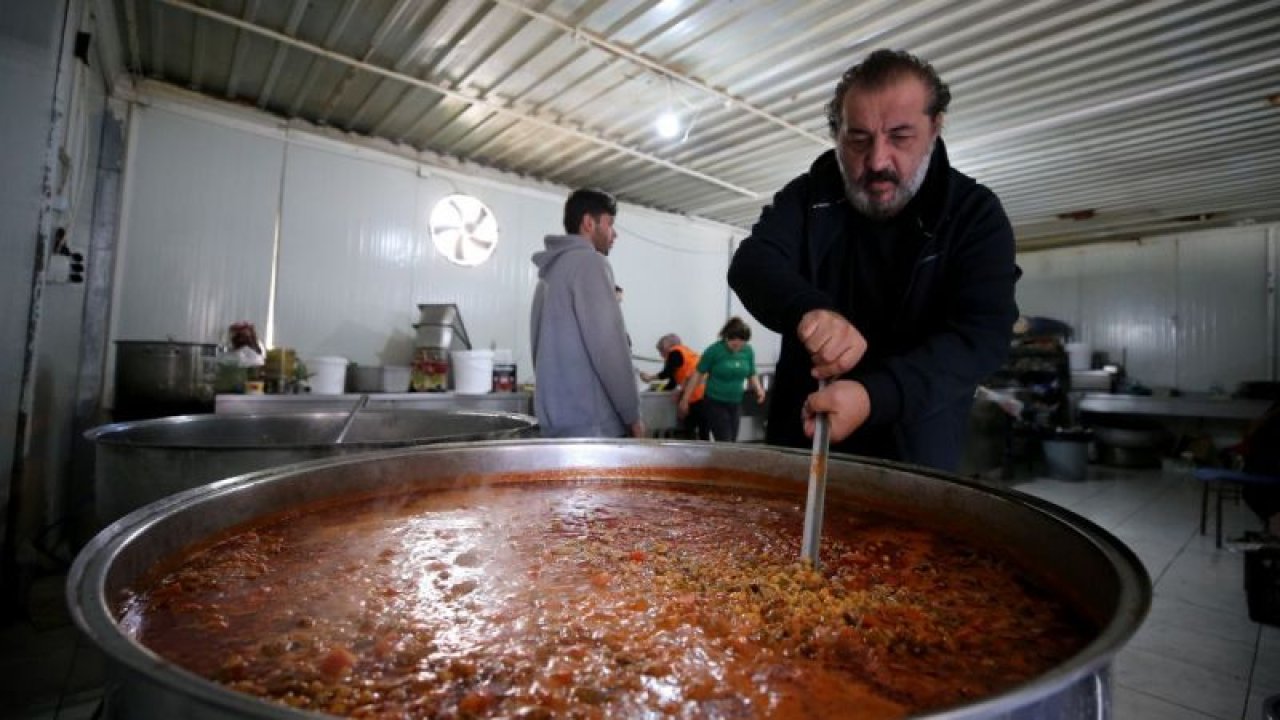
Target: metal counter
657,408
517,402
1183,406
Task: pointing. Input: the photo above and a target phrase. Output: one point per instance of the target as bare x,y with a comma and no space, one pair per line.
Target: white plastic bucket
329,375
395,378
1079,355
472,371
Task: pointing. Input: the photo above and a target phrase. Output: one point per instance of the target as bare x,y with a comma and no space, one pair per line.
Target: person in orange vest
680,364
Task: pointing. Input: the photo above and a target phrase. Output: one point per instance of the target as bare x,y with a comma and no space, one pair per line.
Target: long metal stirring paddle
812,537
351,418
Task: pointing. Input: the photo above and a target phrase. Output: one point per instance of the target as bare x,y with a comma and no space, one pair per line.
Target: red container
504,378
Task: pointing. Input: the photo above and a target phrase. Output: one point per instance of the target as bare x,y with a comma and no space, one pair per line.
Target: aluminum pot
143,461
154,378
1081,562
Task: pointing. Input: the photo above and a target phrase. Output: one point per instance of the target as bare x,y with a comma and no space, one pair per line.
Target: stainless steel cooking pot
1078,560
154,378
142,461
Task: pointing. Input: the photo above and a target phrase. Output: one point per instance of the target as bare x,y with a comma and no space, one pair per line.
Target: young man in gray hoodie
585,384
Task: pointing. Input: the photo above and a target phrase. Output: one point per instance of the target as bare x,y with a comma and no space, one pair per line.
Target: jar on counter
430,370
504,371
504,377
279,370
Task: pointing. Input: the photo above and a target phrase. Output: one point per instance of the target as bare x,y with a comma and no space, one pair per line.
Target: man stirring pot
886,271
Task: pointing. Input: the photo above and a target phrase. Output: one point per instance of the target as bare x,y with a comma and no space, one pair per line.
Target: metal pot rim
116,434
185,343
86,581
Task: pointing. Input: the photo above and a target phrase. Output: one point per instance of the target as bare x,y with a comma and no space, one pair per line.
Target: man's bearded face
884,146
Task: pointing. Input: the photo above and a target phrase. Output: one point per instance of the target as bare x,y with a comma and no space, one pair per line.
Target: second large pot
143,461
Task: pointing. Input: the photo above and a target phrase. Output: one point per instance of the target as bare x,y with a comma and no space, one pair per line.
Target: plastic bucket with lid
1079,355
329,375
472,371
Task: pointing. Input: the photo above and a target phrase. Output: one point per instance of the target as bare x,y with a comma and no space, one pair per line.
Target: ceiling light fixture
667,125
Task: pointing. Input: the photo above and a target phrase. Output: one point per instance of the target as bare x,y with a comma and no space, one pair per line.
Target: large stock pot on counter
155,378
1079,562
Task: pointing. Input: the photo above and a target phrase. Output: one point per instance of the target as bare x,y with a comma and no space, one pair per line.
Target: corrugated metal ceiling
1133,117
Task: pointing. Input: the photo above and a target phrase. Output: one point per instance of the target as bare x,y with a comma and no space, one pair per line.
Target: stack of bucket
440,332
444,350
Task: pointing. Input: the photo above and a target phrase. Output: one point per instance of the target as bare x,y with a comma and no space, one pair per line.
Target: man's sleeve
669,367
767,271
970,341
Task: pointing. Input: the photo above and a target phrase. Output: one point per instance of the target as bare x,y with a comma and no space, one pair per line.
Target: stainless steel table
1183,406
517,402
658,409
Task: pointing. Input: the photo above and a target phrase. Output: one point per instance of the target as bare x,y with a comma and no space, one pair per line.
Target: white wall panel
355,257
1127,299
1191,312
58,362
494,298
673,274
30,40
349,244
1222,308
1273,301
201,204
766,343
1050,285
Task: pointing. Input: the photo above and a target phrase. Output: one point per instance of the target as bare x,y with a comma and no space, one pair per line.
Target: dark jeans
694,425
722,419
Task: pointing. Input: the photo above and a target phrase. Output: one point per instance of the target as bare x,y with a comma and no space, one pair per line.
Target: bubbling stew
598,599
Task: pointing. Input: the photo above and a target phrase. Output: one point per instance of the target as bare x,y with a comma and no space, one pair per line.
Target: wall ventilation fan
463,230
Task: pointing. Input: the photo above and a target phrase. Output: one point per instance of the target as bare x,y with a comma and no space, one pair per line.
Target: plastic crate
1262,584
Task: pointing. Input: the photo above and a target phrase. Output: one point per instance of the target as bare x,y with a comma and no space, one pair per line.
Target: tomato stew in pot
604,599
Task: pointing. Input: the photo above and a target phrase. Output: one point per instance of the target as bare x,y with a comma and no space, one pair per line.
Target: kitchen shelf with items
1033,385
440,331
1038,375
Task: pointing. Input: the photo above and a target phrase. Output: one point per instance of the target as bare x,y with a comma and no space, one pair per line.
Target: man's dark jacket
950,332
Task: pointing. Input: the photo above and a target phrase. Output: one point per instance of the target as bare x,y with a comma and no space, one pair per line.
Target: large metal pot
143,461
1084,564
155,378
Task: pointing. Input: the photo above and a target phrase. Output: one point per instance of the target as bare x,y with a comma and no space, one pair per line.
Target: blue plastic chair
1224,482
